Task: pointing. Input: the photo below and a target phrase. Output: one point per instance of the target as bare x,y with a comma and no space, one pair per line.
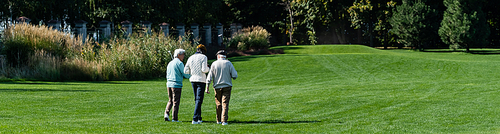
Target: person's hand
207,90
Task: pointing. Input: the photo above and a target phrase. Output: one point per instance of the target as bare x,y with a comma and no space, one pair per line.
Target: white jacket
197,66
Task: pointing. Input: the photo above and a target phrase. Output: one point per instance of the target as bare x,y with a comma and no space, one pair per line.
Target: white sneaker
166,118
200,121
225,123
176,121
195,122
219,122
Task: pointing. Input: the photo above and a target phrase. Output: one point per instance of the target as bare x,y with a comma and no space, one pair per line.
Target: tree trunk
370,31
371,39
359,36
340,36
291,22
291,29
386,37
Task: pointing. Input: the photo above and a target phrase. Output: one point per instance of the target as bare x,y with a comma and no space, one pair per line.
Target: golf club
171,56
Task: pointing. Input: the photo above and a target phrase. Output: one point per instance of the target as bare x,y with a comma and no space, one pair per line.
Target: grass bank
309,89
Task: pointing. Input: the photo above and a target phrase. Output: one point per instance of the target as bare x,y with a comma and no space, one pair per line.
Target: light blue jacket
175,73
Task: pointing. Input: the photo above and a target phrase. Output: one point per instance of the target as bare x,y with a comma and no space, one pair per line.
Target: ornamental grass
38,52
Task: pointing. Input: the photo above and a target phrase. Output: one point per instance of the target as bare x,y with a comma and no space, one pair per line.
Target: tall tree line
460,23
94,11
369,22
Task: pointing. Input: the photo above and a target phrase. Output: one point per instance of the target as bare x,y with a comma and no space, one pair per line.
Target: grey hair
178,51
222,56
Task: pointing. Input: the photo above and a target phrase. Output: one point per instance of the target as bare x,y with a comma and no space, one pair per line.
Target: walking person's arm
204,65
209,79
187,69
207,90
181,70
234,74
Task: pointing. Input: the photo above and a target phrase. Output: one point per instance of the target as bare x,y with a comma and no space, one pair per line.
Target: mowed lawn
309,89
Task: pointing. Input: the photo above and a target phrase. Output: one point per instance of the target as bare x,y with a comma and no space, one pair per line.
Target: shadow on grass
43,90
478,52
290,47
34,83
246,58
261,122
444,51
270,122
6,117
486,52
110,82
284,48
64,83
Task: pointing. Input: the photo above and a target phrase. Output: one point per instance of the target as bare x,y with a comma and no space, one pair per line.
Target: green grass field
309,89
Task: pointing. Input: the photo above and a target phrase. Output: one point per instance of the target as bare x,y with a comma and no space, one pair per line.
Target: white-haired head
178,51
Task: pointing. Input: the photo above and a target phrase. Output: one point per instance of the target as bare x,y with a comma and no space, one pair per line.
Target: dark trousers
199,94
174,97
222,96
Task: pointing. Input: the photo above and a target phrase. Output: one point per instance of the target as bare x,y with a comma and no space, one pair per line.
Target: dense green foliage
310,89
314,21
251,38
35,52
493,19
414,23
464,24
372,17
94,11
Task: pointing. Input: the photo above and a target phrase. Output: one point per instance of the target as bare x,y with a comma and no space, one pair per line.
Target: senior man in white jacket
197,66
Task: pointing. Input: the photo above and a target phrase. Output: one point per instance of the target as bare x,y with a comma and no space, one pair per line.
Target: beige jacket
221,72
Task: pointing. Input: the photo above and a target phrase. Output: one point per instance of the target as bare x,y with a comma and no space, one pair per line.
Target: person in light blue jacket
175,75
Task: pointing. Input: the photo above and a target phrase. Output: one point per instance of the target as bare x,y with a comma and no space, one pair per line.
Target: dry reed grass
250,38
40,53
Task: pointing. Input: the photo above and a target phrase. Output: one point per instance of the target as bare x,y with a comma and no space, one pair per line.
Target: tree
464,24
493,18
309,9
266,13
371,17
414,23
336,20
383,26
361,17
288,7
4,8
314,14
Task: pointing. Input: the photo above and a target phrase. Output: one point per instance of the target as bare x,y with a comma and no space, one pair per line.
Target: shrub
21,41
251,38
137,57
35,52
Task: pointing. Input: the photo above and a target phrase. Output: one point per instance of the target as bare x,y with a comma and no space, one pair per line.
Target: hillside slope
309,89
361,89
327,49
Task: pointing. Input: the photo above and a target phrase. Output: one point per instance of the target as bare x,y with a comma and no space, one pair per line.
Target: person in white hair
175,75
197,66
221,73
